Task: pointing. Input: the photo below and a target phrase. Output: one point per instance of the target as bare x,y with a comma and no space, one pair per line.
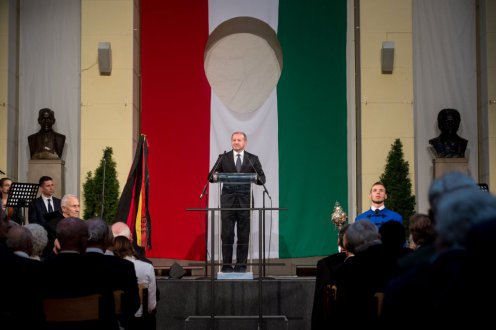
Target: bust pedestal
53,168
445,165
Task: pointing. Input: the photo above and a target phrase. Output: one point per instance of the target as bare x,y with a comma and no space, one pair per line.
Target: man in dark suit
21,297
44,206
236,196
118,274
45,203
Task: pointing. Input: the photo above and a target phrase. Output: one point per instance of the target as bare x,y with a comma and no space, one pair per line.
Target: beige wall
4,34
108,112
386,102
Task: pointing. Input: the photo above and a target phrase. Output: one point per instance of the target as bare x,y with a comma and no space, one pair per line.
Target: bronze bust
46,144
449,144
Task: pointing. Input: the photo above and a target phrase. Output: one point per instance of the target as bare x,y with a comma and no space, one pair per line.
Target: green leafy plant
398,184
97,190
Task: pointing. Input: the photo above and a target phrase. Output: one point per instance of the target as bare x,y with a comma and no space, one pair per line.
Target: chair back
143,294
329,302
86,308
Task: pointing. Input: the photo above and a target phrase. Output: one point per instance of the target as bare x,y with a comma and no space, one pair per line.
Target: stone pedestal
445,165
53,168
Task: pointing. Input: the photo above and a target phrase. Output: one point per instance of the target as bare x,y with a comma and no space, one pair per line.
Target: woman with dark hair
12,213
144,272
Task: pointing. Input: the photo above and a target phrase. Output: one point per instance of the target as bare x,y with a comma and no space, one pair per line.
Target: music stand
21,194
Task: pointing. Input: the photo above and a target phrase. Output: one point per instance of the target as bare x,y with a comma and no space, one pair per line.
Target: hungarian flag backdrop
299,133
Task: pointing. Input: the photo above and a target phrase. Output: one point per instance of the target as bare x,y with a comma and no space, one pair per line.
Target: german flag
133,204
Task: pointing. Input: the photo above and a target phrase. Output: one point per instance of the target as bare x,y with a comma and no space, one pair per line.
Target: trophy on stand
338,216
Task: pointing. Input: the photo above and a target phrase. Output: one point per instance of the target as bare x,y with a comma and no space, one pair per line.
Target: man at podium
236,196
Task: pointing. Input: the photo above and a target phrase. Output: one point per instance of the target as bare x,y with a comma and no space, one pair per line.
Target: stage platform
185,304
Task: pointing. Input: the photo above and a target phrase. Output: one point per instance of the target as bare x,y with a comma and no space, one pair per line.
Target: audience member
40,240
21,297
435,291
378,213
393,238
476,283
325,267
422,236
118,274
360,277
450,182
120,228
146,276
69,208
69,273
4,228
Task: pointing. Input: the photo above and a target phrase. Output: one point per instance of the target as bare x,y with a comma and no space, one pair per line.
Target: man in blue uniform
378,213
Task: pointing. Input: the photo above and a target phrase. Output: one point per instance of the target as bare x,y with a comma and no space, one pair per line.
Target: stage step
306,270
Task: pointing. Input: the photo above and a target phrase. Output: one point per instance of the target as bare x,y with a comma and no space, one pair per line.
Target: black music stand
21,194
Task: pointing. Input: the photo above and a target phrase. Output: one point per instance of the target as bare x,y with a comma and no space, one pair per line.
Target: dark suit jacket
37,210
325,276
118,274
21,293
251,164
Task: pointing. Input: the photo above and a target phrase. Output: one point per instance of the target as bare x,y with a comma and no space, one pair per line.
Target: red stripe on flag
175,116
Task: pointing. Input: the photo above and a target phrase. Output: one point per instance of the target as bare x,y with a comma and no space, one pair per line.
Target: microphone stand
205,193
263,218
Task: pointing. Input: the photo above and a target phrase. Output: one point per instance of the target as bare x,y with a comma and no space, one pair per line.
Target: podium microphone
258,176
211,173
217,163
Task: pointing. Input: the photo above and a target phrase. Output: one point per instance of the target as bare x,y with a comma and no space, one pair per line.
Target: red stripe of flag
175,116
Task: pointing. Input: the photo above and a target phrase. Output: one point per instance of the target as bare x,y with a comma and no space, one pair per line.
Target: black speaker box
176,271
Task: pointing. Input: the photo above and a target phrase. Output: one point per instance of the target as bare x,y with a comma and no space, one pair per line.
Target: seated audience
40,239
325,266
119,274
436,291
144,271
21,295
360,277
422,236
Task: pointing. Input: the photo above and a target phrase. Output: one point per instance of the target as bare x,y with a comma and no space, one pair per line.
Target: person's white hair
451,182
458,212
66,198
360,235
40,238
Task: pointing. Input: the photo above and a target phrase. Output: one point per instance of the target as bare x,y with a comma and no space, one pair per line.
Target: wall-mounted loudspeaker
387,57
104,58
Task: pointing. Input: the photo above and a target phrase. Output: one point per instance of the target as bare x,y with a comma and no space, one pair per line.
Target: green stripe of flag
312,125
